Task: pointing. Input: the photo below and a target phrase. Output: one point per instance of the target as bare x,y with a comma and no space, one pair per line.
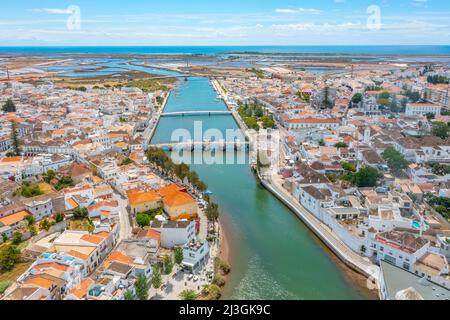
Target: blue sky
226,22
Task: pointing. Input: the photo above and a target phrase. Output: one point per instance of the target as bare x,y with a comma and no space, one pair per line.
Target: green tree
357,98
30,219
341,145
212,211
156,277
143,220
348,166
64,182
9,255
394,159
9,106
168,264
141,287
414,96
45,224
59,217
366,177
440,129
321,142
15,138
49,176
128,295
17,238
188,295
80,213
268,122
179,256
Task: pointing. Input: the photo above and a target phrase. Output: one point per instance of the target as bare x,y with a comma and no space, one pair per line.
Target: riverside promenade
353,260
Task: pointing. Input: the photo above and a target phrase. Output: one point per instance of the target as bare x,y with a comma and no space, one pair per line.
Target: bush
218,279
3,286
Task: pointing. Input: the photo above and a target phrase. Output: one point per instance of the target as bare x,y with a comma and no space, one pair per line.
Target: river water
273,255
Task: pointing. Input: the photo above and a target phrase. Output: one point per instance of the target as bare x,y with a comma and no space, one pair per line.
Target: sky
225,22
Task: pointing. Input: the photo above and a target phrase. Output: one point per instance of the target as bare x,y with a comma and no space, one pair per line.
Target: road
124,217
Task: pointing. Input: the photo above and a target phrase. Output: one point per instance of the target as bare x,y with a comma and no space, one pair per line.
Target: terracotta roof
139,197
92,239
81,290
78,255
119,257
51,265
14,218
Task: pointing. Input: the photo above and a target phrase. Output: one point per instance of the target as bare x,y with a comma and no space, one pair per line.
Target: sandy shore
224,249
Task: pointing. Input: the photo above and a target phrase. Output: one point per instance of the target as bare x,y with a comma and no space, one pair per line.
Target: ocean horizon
214,50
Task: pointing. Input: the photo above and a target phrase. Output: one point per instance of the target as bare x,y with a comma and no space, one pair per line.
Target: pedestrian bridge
196,113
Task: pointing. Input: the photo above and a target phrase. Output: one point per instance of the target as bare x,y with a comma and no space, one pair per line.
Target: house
174,233
315,199
399,248
196,255
177,203
13,222
80,292
141,200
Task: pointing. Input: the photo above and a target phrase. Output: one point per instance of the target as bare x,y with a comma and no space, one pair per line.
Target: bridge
203,145
196,113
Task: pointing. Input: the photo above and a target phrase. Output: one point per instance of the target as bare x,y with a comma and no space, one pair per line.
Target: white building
421,109
174,233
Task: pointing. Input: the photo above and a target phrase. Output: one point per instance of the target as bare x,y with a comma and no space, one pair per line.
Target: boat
208,192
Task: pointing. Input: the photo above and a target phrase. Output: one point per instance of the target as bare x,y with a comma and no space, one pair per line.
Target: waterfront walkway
355,261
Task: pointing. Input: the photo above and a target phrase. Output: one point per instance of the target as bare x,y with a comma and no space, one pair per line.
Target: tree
80,213
9,255
357,98
268,122
45,224
128,295
415,96
341,145
440,129
59,217
321,142
126,161
188,295
430,116
17,238
141,287
212,211
366,177
64,182
15,138
179,256
30,219
49,176
348,166
156,277
168,264
9,106
395,159
143,220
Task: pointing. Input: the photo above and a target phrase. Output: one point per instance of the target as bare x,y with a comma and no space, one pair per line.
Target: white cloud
298,10
52,11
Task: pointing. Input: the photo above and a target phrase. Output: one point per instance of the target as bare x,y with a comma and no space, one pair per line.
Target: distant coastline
372,50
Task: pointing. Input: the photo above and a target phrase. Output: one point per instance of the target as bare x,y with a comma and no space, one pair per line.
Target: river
273,255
